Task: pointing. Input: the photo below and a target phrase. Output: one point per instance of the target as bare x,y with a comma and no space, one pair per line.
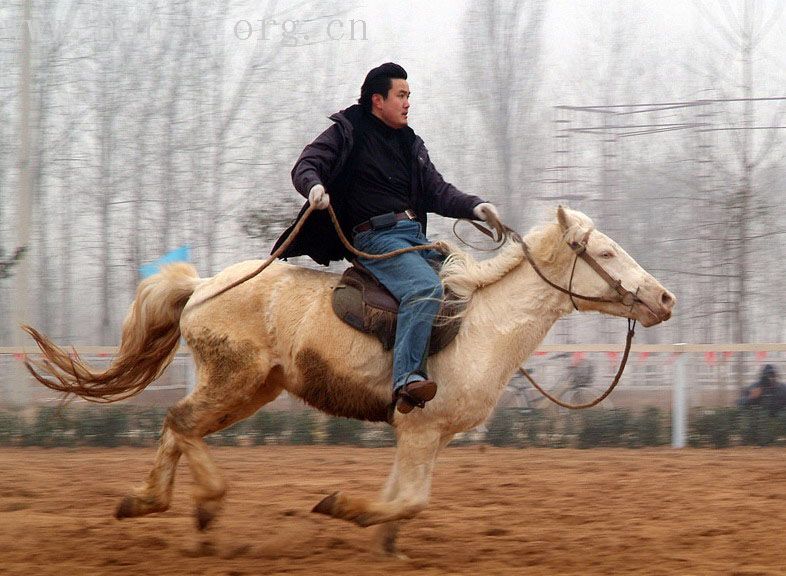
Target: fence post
679,400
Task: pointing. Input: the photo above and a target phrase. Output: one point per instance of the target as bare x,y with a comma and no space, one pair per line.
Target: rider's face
394,109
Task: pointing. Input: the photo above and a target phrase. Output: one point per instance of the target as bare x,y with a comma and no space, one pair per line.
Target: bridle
579,247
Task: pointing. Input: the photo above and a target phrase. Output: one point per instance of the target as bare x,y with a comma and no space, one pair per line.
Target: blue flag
181,254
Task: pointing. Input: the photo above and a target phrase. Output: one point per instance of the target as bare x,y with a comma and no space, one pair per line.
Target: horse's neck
512,316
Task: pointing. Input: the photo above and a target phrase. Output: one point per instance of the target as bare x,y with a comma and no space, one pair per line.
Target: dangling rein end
599,399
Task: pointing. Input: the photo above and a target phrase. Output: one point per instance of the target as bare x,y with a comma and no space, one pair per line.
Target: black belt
384,221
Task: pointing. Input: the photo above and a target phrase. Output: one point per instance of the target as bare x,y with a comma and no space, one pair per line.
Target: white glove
318,198
482,210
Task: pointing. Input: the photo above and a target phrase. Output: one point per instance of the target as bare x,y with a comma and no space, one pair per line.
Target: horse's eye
607,254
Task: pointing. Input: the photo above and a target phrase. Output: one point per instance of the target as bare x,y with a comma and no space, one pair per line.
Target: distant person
581,374
766,392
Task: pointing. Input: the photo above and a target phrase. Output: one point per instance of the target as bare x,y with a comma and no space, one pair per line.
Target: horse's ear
563,218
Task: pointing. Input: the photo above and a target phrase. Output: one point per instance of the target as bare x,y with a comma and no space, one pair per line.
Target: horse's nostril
666,299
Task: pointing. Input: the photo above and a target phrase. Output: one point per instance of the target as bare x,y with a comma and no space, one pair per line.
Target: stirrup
414,395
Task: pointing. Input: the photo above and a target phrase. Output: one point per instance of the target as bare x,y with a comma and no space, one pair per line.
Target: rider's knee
427,289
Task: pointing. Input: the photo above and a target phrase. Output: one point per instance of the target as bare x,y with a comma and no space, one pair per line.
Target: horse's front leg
387,532
408,486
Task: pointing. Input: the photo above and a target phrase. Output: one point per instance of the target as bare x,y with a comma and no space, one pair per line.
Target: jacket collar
350,117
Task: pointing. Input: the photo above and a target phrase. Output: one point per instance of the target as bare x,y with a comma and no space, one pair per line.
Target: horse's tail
150,337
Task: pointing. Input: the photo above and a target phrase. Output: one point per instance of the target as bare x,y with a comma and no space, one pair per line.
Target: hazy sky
659,42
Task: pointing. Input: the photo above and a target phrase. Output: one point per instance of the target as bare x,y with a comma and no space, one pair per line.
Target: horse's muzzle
659,310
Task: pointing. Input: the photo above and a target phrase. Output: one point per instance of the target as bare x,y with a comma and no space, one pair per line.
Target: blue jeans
416,285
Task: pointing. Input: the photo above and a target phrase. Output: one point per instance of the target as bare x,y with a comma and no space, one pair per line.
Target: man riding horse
382,184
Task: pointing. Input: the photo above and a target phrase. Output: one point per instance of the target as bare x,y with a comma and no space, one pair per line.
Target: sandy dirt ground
493,511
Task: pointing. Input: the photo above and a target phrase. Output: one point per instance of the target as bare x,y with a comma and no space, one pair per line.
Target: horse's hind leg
210,409
156,494
227,391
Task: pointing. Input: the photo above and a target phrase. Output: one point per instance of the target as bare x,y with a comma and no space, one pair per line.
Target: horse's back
255,293
283,319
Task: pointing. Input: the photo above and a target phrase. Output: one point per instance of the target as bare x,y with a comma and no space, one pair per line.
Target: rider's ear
563,218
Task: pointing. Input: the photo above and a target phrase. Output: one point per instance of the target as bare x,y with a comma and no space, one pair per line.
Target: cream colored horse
277,332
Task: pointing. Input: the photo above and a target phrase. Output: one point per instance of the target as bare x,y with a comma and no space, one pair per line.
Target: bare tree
502,49
751,145
47,132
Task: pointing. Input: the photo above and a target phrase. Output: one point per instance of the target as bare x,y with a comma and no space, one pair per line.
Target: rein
438,246
579,248
599,399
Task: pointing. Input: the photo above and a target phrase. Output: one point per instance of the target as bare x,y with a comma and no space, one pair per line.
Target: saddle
364,303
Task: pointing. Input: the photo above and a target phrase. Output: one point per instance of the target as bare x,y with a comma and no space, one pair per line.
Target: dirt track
493,511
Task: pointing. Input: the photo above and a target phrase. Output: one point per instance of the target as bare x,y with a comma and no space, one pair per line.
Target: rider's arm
442,197
318,163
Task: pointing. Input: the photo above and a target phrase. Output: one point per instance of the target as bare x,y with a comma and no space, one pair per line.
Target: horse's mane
462,274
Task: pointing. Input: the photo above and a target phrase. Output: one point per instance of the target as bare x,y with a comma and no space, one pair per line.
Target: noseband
626,297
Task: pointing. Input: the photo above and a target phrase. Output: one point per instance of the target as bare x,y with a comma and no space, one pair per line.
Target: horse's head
649,302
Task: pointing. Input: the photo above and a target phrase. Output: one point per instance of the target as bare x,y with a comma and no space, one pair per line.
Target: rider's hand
318,198
482,211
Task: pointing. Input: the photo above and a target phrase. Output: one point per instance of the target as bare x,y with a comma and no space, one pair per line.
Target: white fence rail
672,377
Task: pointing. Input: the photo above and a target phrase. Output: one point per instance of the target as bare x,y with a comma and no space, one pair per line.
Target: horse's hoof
327,505
391,552
126,508
203,518
363,520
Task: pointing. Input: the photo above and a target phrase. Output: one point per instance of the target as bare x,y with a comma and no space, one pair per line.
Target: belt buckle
410,214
